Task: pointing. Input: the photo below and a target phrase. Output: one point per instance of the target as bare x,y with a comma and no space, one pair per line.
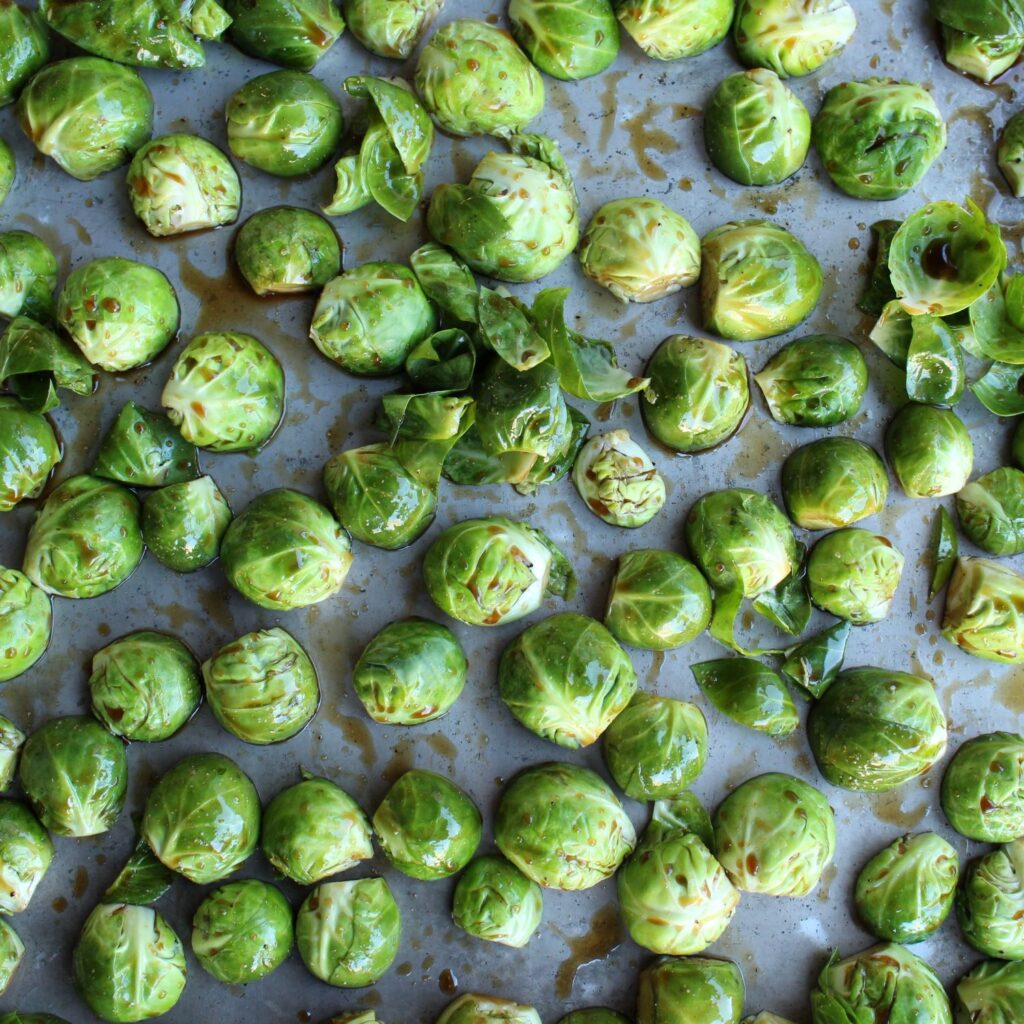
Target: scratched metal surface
634,130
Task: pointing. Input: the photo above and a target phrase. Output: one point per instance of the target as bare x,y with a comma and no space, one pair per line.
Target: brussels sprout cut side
992,992
472,1008
618,481
689,990
292,33
672,31
990,901
26,852
568,41
983,613
26,619
792,39
390,28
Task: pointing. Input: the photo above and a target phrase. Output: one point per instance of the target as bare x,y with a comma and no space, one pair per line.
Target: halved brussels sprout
594,1015
984,615
991,993
793,39
563,827
183,524
29,450
472,1008
292,33
202,818
390,28
853,574
991,511
756,280
671,31
24,48
12,950
26,852
617,480
1010,152
935,369
143,449
981,57
144,686
142,880
90,115
874,729
991,900
7,165
640,249
225,392
285,250
983,788
28,279
570,40
496,902
12,739
748,692
689,990
930,450
26,619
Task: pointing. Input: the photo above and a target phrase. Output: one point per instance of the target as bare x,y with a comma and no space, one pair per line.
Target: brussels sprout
990,902
689,990
183,524
930,451
24,48
874,729
1010,152
348,932
285,551
292,33
90,115
144,686
671,31
12,739
991,993
991,511
242,931
181,183
142,879
698,393
475,80
814,663
390,28
26,852
29,450
143,449
594,1015
877,138
12,949
492,571
981,57
26,619
202,818
756,130
314,829
984,614
854,574
18,1017
28,278
570,40
997,18
285,250
496,902
35,362
618,481
7,168
477,1009
793,39
225,392
935,370
983,788
765,1017
85,540
749,693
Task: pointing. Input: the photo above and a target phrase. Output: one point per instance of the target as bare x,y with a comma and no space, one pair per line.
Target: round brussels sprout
985,610
225,392
793,39
789,858
202,818
991,511
24,48
242,931
183,523
930,450
658,600
292,33
563,827
7,169
181,183
475,80
669,31
144,449
262,687
689,990
390,28
592,1015
128,963
90,115
496,902
28,276
314,829
348,932
472,1008
817,381
991,993
906,891
656,748
26,852
28,452
427,827
12,739
698,395
371,317
285,123
144,686
26,619
120,313
877,138
756,130
756,280
1010,153
983,788
285,250
411,672
874,729
570,40
640,249
285,551
990,903
617,480
854,574
12,950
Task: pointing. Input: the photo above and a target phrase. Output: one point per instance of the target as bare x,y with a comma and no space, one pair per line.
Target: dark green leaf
469,465
1001,390
448,282
351,191
995,334
935,365
813,664
550,470
445,361
892,333
879,289
788,605
34,360
142,880
943,550
749,693
144,449
506,328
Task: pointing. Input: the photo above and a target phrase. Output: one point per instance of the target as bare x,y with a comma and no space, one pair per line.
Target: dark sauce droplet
937,261
447,982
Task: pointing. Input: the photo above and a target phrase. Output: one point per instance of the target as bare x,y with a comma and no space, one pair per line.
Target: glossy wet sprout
24,48
983,788
392,28
12,951
285,250
992,992
792,39
689,990
990,900
28,453
12,739
985,55
7,170
671,31
28,279
568,41
991,511
143,449
496,902
854,574
983,613
617,480
292,33
26,619
183,523
26,852
930,451
472,1008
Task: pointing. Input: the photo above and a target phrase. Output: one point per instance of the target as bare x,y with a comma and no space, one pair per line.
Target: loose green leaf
935,365
384,175
448,282
943,550
892,333
1013,294
471,465
351,192
434,416
748,692
34,362
814,664
408,125
995,333
788,605
506,328
1001,390
142,880
552,469
446,361
879,290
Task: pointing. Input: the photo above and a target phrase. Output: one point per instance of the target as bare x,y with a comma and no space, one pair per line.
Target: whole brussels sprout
570,40
594,1015
877,138
24,48
990,902
698,395
28,452
640,249
983,788
390,28
285,250
874,729
371,317
427,827
854,574
286,123
26,619
180,183
496,902
756,280
1010,153
242,931
991,993
689,990
563,827
411,672
128,963
144,686
793,39
26,852
144,449
671,31
475,80
202,818
472,1008
906,891
314,829
617,480
292,33
183,524
90,115
983,610
348,932
262,687
120,313
7,167
12,950
982,57
285,551
28,276
991,511
225,392
817,381
930,450
12,739
756,130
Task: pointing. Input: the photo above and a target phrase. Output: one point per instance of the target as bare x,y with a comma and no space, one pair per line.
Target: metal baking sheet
634,130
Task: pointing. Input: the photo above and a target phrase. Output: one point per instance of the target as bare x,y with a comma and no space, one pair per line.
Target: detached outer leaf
34,360
432,416
407,123
892,333
463,215
469,464
943,549
384,175
879,290
726,610
814,664
788,605
545,149
448,282
506,328
748,692
1001,390
351,192
446,361
142,880
995,334
935,365
561,578
425,458
551,470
